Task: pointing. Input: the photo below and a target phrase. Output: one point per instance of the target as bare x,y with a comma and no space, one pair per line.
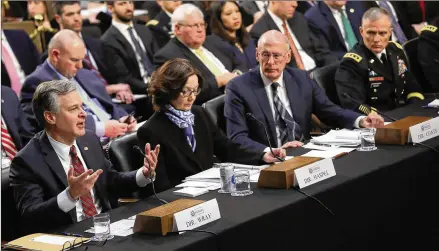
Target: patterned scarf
184,120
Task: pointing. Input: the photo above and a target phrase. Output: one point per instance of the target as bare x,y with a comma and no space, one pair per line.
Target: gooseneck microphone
251,116
345,95
137,148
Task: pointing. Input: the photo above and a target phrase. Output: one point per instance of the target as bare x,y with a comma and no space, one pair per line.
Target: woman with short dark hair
187,136
229,32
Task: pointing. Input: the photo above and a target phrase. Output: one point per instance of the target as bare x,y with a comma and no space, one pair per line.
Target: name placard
424,131
315,172
197,216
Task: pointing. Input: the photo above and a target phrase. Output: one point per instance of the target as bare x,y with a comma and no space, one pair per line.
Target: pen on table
71,234
322,144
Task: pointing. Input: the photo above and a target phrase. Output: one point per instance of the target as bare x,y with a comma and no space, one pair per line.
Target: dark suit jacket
161,27
250,7
315,47
88,80
16,120
247,94
176,49
412,10
428,56
176,159
121,59
25,52
37,177
248,57
323,22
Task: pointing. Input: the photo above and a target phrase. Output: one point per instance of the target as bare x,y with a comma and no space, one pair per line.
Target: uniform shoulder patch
397,45
152,22
431,28
357,58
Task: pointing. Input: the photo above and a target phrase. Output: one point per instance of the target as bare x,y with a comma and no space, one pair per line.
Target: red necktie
7,142
12,71
90,66
88,206
422,5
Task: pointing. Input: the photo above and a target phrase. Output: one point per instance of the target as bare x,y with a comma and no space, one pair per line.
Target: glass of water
367,138
102,227
241,183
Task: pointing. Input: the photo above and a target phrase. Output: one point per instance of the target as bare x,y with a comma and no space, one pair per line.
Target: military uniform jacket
161,28
428,56
366,79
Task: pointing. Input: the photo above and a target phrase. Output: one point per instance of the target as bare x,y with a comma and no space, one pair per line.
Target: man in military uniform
428,54
375,71
161,24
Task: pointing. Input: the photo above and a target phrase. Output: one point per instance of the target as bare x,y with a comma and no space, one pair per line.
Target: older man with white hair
217,67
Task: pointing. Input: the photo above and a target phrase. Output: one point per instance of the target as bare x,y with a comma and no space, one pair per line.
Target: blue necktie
146,63
288,128
396,28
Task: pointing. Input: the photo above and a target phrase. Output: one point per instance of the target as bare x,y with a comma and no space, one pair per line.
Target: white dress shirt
211,57
261,5
17,65
308,62
64,200
378,55
123,28
337,16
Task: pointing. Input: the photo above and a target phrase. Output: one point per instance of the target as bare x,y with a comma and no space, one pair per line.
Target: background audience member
428,54
307,51
229,33
160,26
66,52
217,67
187,137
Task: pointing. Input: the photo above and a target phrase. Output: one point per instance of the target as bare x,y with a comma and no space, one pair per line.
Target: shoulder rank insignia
397,45
364,109
357,58
152,22
431,28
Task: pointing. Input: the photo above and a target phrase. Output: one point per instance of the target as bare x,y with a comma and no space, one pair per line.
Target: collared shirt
378,55
308,61
394,38
261,5
17,65
64,200
6,162
88,52
123,28
337,16
211,57
99,125
283,96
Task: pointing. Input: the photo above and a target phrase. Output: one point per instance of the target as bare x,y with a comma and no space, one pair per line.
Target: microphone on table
344,94
137,148
251,116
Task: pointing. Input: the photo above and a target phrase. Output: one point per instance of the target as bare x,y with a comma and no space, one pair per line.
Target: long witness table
382,200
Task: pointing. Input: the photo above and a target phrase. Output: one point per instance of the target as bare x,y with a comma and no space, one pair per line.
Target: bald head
66,52
273,37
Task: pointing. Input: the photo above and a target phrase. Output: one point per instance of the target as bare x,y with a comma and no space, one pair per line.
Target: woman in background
187,136
229,33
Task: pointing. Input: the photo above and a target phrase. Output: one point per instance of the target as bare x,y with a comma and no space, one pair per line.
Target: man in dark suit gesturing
307,52
283,99
62,175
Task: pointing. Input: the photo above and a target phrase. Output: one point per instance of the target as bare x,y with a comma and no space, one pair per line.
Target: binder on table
46,242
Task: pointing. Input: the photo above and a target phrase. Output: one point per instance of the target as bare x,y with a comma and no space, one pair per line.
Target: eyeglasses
187,92
198,26
276,56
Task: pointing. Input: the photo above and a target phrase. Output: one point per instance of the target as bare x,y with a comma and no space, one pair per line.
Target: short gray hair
46,97
179,15
374,14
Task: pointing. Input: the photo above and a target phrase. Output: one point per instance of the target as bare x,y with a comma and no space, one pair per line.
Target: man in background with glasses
375,71
217,67
282,100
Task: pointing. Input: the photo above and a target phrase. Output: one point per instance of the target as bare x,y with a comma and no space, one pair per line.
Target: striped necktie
7,142
88,206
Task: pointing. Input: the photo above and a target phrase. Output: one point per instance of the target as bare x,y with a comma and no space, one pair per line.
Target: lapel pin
85,148
371,61
3,101
351,10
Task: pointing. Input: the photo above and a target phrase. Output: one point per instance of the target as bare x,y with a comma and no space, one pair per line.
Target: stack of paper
434,103
191,191
342,137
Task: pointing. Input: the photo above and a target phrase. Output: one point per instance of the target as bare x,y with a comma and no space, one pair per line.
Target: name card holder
314,172
424,131
197,216
397,133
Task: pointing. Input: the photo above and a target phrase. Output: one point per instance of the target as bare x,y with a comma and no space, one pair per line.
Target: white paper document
327,154
54,240
434,103
136,97
191,191
342,137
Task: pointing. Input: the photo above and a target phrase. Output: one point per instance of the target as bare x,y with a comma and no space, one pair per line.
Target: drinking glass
241,183
367,138
102,227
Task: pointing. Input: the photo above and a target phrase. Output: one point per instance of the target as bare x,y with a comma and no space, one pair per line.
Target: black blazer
316,48
161,28
16,120
412,10
176,159
37,177
25,52
121,59
176,49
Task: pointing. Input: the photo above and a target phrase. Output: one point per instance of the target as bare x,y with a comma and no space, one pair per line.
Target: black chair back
121,153
411,50
324,77
215,109
10,216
